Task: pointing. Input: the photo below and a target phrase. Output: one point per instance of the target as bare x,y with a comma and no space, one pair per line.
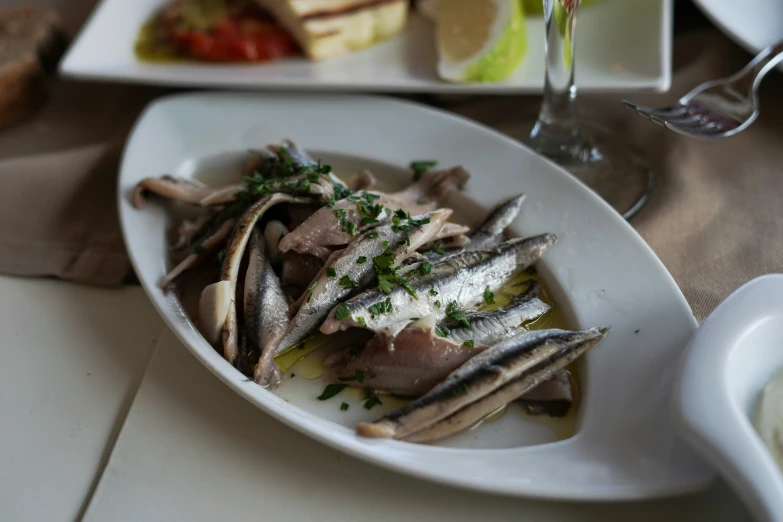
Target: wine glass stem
556,132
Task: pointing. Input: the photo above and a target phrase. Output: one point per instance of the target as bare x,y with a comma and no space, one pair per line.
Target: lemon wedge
479,40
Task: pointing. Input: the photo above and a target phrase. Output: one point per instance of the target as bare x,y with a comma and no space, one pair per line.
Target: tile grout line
117,430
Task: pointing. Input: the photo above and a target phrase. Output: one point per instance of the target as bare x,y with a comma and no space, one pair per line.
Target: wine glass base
610,166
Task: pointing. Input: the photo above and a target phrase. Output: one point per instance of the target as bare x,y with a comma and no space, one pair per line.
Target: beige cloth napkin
713,217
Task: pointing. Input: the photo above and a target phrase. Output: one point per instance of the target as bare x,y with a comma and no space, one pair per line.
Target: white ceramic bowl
725,367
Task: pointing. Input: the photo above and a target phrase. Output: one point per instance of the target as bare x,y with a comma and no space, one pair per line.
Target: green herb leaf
331,272
457,316
361,321
442,332
436,247
347,282
489,295
331,390
358,376
469,343
372,402
425,267
342,312
420,168
344,406
361,260
384,307
437,303
433,292
372,235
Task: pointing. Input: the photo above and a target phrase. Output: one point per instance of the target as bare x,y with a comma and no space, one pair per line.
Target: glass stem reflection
556,132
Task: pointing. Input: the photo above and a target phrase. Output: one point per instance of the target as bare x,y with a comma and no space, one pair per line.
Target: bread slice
31,42
327,28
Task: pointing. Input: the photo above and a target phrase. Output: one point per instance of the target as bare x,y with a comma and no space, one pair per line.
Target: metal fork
718,108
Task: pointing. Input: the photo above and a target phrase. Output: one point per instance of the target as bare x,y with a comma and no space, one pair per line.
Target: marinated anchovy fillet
265,311
524,361
184,190
490,327
352,270
418,357
489,233
548,363
457,281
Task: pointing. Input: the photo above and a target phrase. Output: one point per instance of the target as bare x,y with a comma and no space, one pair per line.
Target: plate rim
291,419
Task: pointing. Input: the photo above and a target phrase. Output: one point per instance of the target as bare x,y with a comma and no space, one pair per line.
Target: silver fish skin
265,311
491,327
528,357
414,360
489,233
326,292
461,278
545,363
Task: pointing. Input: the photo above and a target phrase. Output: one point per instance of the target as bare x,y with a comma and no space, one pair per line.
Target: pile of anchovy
302,252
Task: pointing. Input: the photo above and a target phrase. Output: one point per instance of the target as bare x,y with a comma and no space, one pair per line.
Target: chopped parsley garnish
358,377
349,226
331,390
347,282
344,406
372,399
384,307
421,167
361,321
437,303
331,272
489,295
372,235
361,260
469,343
456,316
198,249
442,332
385,243
292,375
425,267
436,247
346,224
342,312
433,292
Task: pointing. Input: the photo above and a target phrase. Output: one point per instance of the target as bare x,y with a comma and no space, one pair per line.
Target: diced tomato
246,36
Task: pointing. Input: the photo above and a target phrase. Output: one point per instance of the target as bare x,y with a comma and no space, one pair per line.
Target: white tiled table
190,449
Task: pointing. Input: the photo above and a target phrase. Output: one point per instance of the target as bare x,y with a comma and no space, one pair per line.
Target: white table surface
192,450
72,359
